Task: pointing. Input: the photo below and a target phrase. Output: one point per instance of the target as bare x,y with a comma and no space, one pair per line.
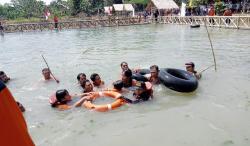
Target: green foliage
60,8
28,8
196,3
219,7
142,2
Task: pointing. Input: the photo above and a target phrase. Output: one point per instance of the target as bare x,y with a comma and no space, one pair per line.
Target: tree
60,8
28,8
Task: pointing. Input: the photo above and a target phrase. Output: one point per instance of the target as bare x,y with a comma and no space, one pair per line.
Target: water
217,114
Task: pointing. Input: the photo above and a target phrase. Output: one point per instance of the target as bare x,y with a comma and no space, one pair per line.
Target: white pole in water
215,67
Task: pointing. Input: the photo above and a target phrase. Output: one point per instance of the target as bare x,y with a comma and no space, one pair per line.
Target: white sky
8,1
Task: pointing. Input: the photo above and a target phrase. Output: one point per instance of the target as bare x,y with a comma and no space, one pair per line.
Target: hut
162,6
124,9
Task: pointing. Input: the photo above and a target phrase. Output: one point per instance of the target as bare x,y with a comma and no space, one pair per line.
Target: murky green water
217,114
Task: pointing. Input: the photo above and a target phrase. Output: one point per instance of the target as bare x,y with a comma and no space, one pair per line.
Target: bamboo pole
211,44
206,69
50,70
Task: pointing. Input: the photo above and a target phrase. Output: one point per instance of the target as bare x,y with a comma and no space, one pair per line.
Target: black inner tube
177,74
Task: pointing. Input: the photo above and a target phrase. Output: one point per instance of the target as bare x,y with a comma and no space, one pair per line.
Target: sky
8,1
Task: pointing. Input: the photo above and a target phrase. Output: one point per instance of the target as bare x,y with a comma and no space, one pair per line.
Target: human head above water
88,87
95,78
46,73
154,70
118,85
190,66
127,75
3,77
124,66
62,95
81,77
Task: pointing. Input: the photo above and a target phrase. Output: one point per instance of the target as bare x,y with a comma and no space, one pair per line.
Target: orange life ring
106,107
13,124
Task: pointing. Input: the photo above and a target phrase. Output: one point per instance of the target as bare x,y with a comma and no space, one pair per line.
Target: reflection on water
217,113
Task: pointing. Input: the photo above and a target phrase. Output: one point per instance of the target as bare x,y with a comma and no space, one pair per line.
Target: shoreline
236,22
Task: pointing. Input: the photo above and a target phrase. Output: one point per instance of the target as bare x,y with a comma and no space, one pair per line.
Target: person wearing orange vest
56,22
228,12
211,12
14,131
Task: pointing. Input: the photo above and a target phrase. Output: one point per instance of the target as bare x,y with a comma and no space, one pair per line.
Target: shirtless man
88,87
153,77
46,75
81,77
190,67
97,81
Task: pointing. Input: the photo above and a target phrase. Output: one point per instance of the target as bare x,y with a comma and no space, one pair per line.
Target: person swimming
153,77
81,78
124,67
96,80
190,67
127,79
3,77
142,92
88,87
46,75
62,98
119,87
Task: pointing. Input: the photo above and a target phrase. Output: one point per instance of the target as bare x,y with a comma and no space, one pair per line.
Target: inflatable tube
140,75
104,108
13,127
178,80
144,71
195,25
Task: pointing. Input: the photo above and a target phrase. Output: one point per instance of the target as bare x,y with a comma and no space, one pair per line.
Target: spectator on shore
1,28
227,12
211,12
56,21
156,14
145,14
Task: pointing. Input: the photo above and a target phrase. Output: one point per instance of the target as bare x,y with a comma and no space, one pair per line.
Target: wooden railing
236,22
74,24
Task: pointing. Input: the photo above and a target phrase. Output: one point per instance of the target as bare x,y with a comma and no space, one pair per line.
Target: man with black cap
190,67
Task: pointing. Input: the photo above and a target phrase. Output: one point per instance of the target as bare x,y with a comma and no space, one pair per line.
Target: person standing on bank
56,21
1,29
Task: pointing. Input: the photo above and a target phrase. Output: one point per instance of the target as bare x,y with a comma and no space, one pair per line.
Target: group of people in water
141,91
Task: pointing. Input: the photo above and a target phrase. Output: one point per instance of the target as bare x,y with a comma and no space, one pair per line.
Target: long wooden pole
50,70
206,69
215,67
